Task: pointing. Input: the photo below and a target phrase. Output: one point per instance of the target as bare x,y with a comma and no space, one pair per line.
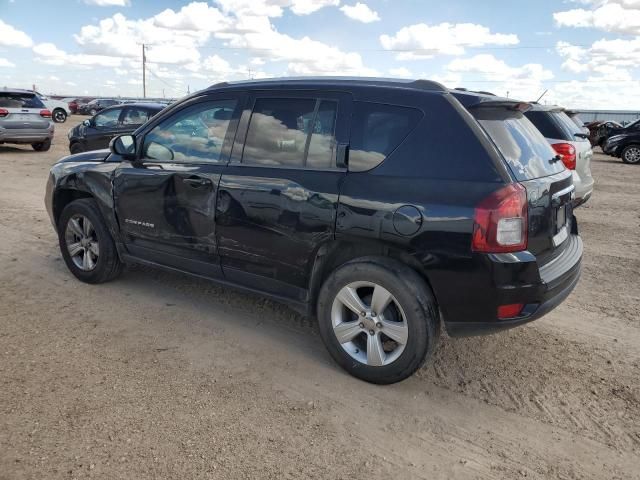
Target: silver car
24,119
570,143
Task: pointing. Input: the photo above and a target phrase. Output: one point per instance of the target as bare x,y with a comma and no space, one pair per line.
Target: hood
93,156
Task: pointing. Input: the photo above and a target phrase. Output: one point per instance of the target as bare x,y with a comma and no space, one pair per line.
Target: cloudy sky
585,52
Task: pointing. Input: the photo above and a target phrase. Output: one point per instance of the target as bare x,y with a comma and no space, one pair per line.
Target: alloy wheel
632,155
369,323
82,243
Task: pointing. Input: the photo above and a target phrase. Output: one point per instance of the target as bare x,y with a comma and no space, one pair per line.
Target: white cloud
401,72
424,41
12,37
274,8
50,54
617,16
109,3
6,63
360,12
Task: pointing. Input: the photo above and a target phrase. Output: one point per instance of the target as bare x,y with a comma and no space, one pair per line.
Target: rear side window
526,151
292,132
19,100
135,116
376,131
551,126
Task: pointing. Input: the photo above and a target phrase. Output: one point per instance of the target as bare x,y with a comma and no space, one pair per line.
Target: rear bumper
557,280
25,135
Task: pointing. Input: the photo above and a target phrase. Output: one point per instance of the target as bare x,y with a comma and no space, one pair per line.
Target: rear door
534,164
279,195
22,112
165,203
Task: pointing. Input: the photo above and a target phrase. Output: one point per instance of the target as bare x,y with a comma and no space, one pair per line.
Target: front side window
193,135
292,132
107,119
135,116
376,131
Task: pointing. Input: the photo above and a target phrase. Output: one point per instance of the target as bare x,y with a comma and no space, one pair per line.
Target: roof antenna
543,94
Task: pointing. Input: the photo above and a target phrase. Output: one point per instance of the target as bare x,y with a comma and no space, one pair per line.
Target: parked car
76,103
625,145
570,143
97,105
96,133
59,110
24,119
342,197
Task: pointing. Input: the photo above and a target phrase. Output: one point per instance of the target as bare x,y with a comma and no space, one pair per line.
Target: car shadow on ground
16,149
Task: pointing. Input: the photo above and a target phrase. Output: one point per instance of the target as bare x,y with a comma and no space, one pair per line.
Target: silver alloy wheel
632,155
59,116
82,243
369,323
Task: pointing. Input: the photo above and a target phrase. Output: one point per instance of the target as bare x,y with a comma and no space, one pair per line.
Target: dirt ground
158,375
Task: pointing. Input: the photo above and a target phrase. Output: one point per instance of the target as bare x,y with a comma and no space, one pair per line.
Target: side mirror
86,123
124,146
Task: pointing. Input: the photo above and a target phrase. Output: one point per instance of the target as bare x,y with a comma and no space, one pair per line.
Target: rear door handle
197,182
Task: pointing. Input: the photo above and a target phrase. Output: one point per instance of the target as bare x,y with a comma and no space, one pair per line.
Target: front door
104,126
279,194
165,202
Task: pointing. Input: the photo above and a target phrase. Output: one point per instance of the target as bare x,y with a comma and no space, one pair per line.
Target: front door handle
197,182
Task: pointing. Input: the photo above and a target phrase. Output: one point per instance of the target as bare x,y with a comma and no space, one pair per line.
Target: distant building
623,117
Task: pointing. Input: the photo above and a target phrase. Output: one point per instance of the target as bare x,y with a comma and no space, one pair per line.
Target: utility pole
144,72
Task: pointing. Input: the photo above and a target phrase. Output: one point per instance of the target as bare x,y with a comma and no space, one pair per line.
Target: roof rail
428,85
219,85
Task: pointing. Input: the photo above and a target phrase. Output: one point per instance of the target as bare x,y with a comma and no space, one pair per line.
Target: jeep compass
389,209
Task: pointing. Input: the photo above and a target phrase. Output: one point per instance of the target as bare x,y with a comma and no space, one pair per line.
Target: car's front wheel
378,319
86,244
59,115
42,146
631,154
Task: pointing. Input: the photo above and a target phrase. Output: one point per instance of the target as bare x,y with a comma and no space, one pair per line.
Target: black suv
624,143
386,207
96,132
94,106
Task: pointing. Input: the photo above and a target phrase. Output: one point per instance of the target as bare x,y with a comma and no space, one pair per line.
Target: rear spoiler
507,104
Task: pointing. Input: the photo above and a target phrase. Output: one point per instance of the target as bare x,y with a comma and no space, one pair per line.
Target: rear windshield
19,100
524,148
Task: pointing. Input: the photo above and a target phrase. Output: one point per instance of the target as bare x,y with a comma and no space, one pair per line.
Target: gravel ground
158,375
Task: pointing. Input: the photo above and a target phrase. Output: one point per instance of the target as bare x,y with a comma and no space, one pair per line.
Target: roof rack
417,84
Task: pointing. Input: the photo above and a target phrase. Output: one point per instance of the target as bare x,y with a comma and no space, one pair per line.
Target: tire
59,115
93,112
76,148
86,265
42,146
410,315
631,154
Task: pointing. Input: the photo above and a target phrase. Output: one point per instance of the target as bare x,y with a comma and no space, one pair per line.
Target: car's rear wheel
86,244
59,115
42,146
631,154
378,319
76,148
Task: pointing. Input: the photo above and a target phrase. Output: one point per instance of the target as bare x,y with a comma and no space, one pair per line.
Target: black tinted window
522,145
293,132
196,134
20,100
550,125
376,131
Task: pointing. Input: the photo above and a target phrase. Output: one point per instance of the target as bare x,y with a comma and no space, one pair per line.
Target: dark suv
625,143
385,207
97,105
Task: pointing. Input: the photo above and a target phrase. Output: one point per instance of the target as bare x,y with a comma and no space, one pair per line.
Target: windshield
522,145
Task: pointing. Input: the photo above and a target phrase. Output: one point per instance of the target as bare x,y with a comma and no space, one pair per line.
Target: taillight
500,221
4,112
511,310
45,113
567,154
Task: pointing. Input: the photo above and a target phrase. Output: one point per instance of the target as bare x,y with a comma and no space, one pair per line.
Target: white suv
570,143
59,110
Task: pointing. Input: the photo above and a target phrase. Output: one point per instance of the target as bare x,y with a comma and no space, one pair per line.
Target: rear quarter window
376,131
522,145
